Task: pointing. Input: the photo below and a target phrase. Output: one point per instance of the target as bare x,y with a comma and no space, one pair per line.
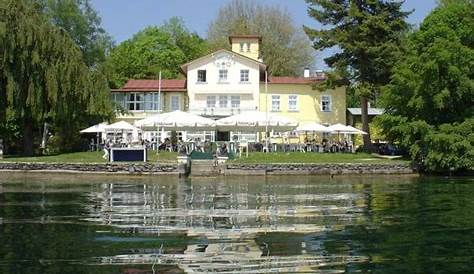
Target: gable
223,58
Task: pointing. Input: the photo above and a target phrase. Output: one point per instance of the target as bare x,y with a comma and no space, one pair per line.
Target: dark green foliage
83,24
430,98
367,34
44,79
155,49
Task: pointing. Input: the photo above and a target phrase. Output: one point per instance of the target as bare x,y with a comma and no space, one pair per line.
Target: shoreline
226,169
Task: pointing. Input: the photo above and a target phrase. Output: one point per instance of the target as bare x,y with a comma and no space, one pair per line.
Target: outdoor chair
244,146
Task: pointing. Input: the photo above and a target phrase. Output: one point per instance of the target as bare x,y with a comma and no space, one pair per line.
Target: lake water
285,224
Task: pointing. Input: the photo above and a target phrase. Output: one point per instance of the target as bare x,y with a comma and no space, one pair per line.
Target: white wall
197,92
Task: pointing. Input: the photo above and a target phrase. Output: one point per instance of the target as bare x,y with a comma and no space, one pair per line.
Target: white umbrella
312,126
340,128
177,121
99,128
256,121
356,130
121,125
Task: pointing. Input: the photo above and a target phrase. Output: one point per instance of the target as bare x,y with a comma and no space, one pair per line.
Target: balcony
220,111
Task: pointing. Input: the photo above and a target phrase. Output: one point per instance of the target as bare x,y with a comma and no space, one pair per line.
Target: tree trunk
28,149
365,124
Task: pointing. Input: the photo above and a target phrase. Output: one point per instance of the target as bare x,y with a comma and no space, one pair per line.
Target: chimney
306,73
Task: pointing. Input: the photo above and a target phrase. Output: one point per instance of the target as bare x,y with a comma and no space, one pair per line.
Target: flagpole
159,92
159,112
266,111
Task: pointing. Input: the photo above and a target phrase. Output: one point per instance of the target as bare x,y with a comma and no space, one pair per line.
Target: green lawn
256,157
308,158
86,157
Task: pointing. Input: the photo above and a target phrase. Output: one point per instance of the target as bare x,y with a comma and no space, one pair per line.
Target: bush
446,148
450,148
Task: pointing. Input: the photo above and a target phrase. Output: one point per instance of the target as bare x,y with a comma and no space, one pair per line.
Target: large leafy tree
366,36
43,78
83,24
430,98
155,49
285,48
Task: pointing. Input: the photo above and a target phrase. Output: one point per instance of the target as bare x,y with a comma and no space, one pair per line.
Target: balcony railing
220,111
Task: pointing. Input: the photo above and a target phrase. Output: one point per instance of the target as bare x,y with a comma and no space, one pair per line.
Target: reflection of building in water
238,223
207,209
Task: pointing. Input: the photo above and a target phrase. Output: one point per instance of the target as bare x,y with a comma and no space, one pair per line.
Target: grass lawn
255,157
309,158
86,157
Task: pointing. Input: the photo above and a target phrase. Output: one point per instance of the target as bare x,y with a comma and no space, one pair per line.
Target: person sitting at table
198,144
92,145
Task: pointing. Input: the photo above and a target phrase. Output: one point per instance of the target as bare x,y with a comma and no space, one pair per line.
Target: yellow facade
247,46
308,107
308,103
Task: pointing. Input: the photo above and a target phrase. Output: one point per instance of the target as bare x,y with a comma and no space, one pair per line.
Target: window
131,101
241,47
275,102
119,99
244,75
135,101
222,75
174,102
139,101
148,101
223,101
248,47
293,103
326,103
151,101
211,101
235,101
201,76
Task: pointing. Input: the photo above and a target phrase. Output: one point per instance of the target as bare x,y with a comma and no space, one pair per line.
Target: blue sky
123,18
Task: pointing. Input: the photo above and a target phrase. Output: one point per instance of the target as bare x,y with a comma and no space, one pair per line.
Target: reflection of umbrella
99,128
312,126
177,121
256,121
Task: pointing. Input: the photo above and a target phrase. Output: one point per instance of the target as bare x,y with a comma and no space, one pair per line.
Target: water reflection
231,225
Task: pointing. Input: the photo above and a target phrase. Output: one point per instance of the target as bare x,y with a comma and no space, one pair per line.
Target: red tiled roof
293,80
152,85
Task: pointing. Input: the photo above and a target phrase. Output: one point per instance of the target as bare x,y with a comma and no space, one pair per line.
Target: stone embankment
317,169
122,168
226,169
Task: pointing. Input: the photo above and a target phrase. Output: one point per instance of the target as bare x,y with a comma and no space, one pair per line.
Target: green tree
367,36
430,98
44,78
285,48
83,24
155,49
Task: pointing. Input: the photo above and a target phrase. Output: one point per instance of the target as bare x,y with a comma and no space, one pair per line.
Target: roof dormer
247,45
